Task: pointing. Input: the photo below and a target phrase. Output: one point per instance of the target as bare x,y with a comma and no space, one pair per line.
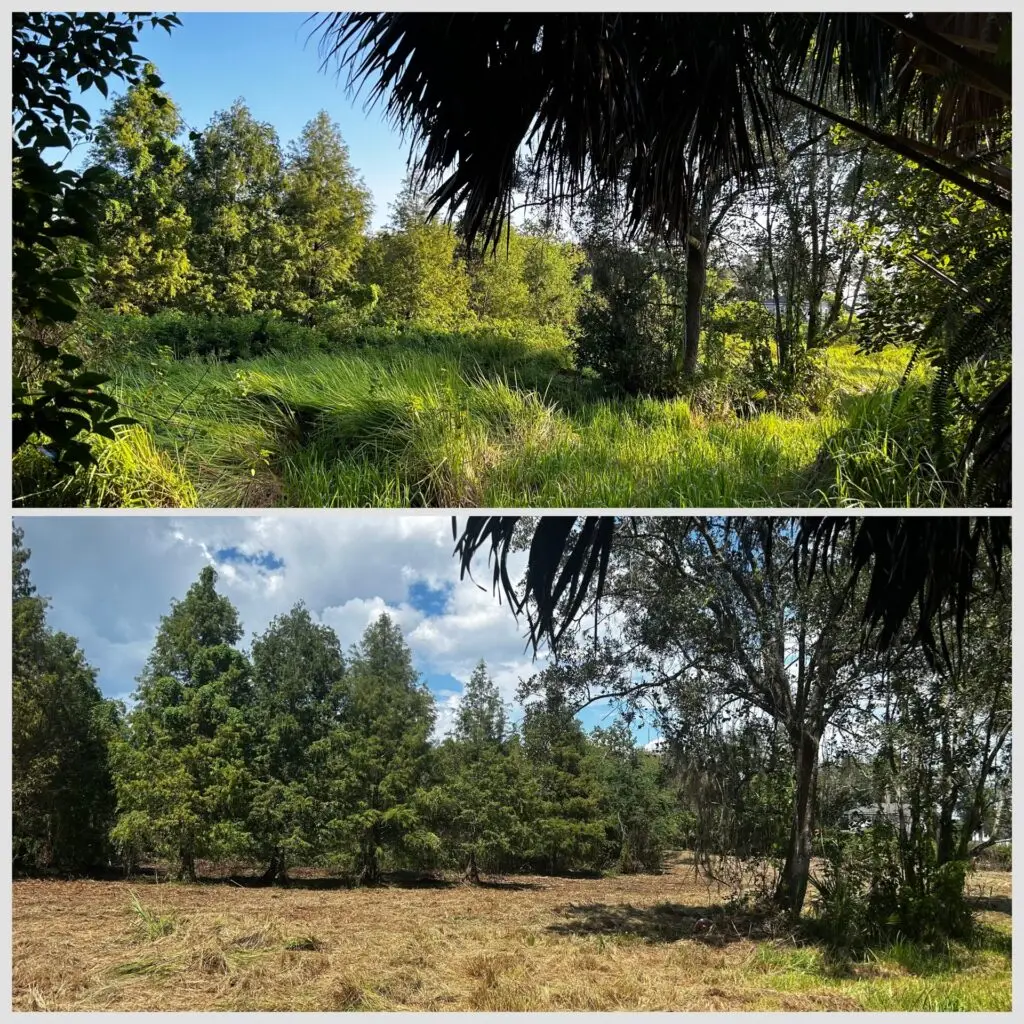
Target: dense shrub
628,341
185,335
880,885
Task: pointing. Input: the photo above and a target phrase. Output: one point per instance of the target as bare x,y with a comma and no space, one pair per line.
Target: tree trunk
696,279
947,844
370,875
187,868
792,887
275,869
472,873
813,319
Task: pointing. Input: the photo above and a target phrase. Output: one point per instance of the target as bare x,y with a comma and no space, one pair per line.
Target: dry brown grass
625,943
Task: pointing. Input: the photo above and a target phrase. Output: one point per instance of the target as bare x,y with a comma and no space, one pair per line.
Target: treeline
229,222
296,753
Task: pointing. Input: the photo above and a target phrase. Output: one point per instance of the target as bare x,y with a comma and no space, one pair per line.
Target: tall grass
490,419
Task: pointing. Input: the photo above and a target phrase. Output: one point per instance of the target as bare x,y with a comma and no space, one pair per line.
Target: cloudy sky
109,579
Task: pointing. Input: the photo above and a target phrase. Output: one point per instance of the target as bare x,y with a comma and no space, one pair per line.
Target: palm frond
919,566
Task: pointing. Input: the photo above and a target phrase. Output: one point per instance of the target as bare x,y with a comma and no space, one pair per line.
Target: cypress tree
182,773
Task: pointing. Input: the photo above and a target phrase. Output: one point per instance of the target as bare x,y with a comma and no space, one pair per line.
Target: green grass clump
901,976
149,922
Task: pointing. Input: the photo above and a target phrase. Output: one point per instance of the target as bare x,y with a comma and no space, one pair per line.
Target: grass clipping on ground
637,943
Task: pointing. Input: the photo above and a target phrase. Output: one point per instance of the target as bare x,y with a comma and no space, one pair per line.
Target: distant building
783,305
857,819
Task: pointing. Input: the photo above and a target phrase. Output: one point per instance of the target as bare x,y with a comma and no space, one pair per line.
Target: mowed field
525,943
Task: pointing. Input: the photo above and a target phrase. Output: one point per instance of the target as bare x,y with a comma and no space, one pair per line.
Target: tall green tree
234,193
565,826
417,266
382,754
326,209
482,783
298,674
143,263
636,803
182,774
552,272
498,286
62,799
480,719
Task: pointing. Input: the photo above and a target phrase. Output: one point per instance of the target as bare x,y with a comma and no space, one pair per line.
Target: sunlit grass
493,421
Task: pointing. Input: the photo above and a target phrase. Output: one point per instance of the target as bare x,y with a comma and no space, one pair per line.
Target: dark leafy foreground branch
918,566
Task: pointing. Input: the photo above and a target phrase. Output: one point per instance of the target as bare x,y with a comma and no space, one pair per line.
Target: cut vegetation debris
641,942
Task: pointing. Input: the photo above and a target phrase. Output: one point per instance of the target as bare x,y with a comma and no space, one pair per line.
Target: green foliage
552,272
325,209
416,265
873,891
627,340
480,719
52,207
298,677
484,784
142,261
235,180
220,337
566,831
182,775
380,757
942,283
631,322
636,803
61,800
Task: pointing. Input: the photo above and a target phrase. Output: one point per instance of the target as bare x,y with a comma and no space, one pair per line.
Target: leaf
90,379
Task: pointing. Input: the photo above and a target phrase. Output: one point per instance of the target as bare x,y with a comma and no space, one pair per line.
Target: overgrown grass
489,419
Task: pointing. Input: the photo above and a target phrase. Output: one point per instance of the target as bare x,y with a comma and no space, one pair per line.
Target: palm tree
575,100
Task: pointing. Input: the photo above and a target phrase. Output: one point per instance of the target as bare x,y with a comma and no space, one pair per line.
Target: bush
997,858
225,338
880,886
747,378
629,343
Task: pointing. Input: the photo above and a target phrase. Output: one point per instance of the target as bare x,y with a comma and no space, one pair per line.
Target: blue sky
109,579
213,59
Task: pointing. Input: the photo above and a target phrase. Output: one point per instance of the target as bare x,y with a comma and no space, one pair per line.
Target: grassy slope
621,943
480,421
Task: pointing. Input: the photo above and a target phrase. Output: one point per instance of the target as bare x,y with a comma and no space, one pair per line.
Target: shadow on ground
662,922
1000,904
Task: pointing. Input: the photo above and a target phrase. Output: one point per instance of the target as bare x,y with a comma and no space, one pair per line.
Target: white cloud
111,578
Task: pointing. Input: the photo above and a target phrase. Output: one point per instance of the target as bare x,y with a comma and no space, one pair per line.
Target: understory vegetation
491,417
211,320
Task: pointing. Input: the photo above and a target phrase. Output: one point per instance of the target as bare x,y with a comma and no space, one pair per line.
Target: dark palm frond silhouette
634,97
917,566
